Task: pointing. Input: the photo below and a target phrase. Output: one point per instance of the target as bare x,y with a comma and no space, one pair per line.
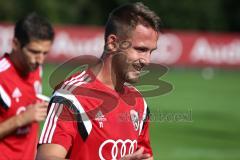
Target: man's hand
138,155
34,113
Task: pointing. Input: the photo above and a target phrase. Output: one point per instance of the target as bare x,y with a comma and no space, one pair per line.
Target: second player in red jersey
17,93
20,82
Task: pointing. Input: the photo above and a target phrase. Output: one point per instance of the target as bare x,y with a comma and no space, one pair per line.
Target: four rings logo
117,148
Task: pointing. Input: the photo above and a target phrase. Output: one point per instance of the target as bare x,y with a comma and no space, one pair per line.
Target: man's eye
35,52
141,49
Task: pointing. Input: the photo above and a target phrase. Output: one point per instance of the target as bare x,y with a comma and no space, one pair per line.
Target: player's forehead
143,35
39,44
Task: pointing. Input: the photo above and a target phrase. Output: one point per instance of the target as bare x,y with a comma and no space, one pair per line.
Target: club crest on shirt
135,119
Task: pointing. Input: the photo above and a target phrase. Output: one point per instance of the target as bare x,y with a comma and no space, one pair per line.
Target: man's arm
51,152
138,155
58,152
34,113
55,144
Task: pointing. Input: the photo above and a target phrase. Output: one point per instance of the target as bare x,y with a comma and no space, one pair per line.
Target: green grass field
198,120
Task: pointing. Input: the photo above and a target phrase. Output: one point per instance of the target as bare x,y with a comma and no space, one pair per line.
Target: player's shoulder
4,64
73,81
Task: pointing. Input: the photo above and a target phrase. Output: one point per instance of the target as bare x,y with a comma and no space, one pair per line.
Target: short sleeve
59,127
5,100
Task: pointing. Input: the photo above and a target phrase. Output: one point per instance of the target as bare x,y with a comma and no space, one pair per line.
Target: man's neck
106,74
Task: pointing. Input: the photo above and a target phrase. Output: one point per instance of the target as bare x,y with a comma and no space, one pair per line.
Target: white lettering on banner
68,46
169,49
216,53
119,147
6,34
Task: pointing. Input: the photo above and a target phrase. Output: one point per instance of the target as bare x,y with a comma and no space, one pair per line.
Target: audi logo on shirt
116,148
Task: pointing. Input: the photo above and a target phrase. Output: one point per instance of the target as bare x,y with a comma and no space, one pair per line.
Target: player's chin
33,68
132,77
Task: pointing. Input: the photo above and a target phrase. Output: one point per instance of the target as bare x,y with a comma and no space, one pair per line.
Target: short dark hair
33,27
125,18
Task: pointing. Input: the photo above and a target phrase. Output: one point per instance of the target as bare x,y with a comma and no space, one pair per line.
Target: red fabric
108,120
143,140
22,143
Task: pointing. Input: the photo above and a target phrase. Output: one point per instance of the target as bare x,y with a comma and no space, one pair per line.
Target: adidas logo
16,94
100,118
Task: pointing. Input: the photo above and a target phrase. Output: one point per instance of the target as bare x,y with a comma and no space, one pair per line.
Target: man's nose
146,58
40,58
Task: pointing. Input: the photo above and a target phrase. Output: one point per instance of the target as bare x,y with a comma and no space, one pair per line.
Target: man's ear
111,44
16,44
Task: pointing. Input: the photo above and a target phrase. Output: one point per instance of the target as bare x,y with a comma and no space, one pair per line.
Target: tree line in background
204,15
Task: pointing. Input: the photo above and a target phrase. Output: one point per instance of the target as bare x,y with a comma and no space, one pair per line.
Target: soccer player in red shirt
20,81
98,114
